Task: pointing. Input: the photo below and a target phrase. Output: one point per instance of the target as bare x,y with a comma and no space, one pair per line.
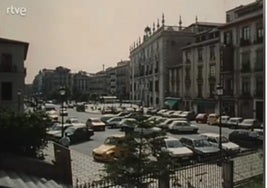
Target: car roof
236,118
116,136
170,138
210,134
193,137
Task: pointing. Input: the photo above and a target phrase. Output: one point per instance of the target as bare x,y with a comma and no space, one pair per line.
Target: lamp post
19,94
219,91
62,93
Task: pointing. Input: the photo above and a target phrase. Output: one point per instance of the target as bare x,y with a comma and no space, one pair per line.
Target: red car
201,118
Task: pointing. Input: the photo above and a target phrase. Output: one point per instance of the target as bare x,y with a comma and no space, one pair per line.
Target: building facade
242,68
123,80
149,62
12,74
48,81
195,81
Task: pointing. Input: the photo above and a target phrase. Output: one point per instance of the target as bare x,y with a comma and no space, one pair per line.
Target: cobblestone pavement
84,169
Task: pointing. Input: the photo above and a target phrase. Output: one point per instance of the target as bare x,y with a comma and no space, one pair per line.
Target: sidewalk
84,169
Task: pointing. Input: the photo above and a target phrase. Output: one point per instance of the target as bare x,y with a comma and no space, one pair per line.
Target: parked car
95,124
188,115
110,150
212,119
79,133
160,112
176,114
233,122
200,146
63,111
52,115
55,132
246,138
173,146
114,121
106,117
165,124
182,126
228,147
201,118
249,124
127,123
168,113
224,120
80,107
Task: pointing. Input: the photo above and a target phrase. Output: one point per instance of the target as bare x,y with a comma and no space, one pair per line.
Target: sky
85,34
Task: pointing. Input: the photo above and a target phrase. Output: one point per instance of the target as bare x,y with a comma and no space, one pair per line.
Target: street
100,136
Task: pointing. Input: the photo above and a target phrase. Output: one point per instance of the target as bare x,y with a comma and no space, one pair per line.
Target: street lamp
19,94
219,91
62,93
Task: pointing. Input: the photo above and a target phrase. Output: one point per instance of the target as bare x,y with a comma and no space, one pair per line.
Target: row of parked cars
75,130
210,119
196,147
227,121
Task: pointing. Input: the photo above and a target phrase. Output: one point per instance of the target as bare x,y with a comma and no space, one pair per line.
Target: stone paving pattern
248,166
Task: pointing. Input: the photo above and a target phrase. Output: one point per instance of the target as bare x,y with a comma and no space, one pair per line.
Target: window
187,73
259,60
6,91
199,52
6,63
246,33
187,56
245,62
212,70
245,86
228,37
212,52
259,87
259,33
156,85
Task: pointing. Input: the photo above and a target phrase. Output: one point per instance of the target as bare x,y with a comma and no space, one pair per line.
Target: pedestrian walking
65,140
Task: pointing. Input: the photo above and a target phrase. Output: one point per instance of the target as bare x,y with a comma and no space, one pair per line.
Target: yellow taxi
111,149
212,119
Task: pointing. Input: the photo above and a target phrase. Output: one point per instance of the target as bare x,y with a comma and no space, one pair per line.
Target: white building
12,73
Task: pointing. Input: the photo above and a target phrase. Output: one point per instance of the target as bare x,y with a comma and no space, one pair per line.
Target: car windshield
182,123
74,121
56,127
70,130
111,141
96,121
248,121
201,143
224,139
173,144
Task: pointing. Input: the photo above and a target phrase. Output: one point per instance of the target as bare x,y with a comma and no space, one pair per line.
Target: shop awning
172,103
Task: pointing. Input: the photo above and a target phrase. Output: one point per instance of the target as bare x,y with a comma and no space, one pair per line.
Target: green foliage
138,159
23,133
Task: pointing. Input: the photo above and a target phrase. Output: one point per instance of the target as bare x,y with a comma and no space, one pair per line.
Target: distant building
242,66
123,80
81,82
48,81
98,84
12,73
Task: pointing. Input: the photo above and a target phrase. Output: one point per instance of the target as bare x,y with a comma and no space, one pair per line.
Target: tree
139,158
23,133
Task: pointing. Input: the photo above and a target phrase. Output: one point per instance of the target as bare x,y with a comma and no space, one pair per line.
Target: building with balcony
48,81
242,65
12,73
196,77
150,59
81,84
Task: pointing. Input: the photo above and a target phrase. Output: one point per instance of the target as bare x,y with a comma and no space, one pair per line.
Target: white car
227,146
174,148
182,126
